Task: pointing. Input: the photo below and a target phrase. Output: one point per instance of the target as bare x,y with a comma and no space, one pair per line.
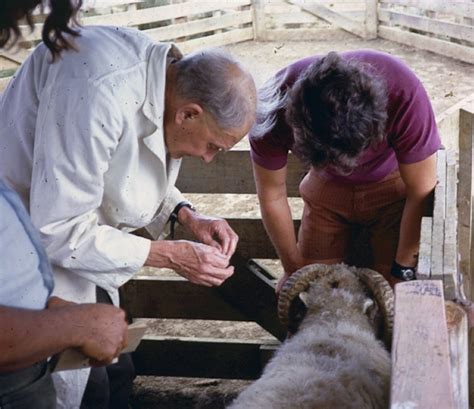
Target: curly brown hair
60,21
337,109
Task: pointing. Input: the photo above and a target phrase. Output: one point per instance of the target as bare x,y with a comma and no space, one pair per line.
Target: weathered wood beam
253,242
456,319
450,247
202,357
423,271
332,17
439,210
421,368
229,173
446,48
175,298
252,292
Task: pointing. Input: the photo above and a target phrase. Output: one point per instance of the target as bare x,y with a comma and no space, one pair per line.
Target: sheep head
311,287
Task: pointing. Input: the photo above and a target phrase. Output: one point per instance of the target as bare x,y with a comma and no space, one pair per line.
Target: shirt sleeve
416,135
78,129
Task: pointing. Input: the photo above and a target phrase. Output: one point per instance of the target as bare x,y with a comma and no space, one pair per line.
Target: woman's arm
276,216
420,180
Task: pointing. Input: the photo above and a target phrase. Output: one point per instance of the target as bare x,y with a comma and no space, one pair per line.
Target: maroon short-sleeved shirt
411,132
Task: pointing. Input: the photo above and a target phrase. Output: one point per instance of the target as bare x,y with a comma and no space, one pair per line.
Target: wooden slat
258,9
296,34
371,19
175,298
231,37
456,8
134,18
279,20
439,209
442,47
253,294
199,26
421,368
333,17
450,250
229,173
465,194
430,25
253,242
423,270
456,319
202,357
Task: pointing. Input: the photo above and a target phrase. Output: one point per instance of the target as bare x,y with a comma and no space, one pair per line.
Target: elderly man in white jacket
93,141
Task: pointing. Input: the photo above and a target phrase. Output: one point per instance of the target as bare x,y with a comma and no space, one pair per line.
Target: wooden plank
253,242
279,20
150,15
202,357
450,250
430,25
331,16
175,298
230,37
421,368
296,34
456,51
439,209
465,202
423,271
456,8
17,54
199,26
371,19
253,294
230,173
258,9
457,323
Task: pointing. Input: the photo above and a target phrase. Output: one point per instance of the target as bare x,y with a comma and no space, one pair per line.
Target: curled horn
298,282
383,294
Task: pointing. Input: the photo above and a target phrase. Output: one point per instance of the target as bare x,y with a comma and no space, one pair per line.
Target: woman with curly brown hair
363,123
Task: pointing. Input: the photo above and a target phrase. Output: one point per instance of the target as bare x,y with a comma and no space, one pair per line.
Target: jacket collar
154,106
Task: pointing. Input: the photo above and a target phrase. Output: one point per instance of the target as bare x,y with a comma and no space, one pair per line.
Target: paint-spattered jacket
82,142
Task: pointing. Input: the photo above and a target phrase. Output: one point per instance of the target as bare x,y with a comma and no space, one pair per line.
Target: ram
333,357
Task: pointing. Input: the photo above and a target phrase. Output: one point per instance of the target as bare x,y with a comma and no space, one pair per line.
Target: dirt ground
447,81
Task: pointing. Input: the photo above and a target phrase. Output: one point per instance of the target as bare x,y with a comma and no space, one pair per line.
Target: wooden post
371,19
466,216
421,368
456,319
258,8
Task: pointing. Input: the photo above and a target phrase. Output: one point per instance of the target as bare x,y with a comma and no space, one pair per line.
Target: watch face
408,274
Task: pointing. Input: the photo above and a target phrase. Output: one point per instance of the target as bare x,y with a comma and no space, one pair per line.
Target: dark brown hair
60,21
337,109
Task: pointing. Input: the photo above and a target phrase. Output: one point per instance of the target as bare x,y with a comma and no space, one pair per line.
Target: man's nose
208,156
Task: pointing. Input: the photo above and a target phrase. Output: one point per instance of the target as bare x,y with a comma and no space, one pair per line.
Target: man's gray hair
219,83
270,100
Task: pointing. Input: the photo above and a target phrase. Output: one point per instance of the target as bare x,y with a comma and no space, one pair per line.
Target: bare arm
27,336
420,180
276,215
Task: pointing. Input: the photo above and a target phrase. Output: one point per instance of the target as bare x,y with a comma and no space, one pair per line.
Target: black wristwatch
174,214
402,272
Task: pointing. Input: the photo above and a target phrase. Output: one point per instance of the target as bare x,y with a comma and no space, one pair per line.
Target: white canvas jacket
82,142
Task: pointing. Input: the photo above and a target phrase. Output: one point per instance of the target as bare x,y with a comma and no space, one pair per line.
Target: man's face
199,136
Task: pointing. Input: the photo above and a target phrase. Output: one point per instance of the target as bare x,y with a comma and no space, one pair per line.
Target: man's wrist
405,273
175,215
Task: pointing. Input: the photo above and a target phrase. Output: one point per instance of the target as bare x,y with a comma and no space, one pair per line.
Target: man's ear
188,112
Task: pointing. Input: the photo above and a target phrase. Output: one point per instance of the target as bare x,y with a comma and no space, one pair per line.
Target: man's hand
212,231
199,263
99,331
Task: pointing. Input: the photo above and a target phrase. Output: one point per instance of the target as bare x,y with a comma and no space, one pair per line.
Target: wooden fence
441,26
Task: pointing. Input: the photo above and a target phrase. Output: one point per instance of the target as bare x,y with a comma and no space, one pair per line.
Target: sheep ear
367,304
304,297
